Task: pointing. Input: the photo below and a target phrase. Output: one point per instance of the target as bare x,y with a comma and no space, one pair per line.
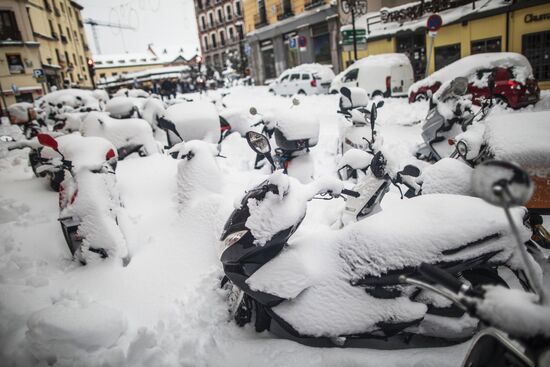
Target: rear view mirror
459,86
346,92
502,184
168,125
47,141
380,104
253,111
258,142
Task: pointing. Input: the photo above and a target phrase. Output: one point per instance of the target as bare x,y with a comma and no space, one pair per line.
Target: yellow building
19,55
515,26
57,25
46,35
272,28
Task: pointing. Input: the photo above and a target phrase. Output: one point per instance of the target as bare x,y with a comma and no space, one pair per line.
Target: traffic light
91,67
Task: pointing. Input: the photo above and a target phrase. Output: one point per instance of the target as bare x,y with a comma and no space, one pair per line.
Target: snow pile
74,325
69,122
355,158
473,137
83,152
515,311
153,109
446,176
523,138
120,132
196,120
238,118
296,124
19,112
359,98
133,93
74,98
198,171
121,107
467,67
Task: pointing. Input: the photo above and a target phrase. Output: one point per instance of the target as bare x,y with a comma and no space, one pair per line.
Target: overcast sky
164,23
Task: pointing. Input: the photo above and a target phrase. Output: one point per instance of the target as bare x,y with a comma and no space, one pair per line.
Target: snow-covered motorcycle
333,287
90,207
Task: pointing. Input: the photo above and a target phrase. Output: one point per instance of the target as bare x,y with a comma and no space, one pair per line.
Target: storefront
520,26
273,48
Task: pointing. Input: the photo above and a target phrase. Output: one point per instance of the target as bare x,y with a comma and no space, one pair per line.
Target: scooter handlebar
440,276
352,193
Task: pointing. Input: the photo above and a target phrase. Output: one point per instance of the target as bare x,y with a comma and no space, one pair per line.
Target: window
231,33
222,38
351,75
199,4
220,15
114,74
295,77
446,55
203,22
74,58
205,42
58,56
102,75
486,45
305,77
15,64
321,43
536,47
228,12
211,18
8,27
238,8
71,12
68,33
214,42
284,78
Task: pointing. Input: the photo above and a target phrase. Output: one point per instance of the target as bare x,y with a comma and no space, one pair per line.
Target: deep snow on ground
165,307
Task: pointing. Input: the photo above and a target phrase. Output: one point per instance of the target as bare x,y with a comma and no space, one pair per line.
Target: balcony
310,4
10,35
285,11
64,39
260,20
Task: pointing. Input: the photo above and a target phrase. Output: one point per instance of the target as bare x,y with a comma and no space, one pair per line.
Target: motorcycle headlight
234,237
462,149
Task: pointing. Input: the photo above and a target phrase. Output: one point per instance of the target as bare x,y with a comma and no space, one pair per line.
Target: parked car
303,79
388,75
515,85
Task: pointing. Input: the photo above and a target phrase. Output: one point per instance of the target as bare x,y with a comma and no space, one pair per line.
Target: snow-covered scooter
335,287
518,323
90,207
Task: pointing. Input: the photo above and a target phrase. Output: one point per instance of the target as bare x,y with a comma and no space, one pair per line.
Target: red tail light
286,164
514,84
451,141
388,83
313,82
110,154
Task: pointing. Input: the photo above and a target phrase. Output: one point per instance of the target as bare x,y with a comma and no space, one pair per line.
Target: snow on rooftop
161,55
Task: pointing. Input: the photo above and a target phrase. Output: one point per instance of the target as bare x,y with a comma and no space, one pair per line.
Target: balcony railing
260,20
10,35
284,12
313,4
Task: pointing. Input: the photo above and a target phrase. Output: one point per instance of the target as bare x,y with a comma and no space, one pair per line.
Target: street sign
360,36
434,22
292,42
38,73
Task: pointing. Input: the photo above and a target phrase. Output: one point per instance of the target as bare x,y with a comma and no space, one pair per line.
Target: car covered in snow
388,75
305,79
515,85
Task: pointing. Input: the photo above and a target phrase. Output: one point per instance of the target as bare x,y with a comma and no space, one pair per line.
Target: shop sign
416,11
360,36
529,18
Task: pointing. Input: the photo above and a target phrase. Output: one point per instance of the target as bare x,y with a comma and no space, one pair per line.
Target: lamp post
240,25
354,7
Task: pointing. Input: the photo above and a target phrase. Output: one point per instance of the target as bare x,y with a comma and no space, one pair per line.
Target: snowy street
166,307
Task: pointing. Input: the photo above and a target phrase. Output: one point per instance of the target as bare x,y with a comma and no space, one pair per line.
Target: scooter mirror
346,93
502,184
47,141
410,170
253,111
6,138
258,142
379,104
459,86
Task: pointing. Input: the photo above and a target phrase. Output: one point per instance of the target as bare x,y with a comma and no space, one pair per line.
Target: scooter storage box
296,130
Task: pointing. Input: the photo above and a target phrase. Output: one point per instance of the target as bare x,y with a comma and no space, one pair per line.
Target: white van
388,75
304,79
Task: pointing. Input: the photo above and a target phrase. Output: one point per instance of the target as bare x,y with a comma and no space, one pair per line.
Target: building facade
469,27
19,55
271,30
41,34
57,26
220,27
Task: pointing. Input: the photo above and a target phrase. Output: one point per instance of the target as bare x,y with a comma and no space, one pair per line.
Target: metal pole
432,38
354,38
